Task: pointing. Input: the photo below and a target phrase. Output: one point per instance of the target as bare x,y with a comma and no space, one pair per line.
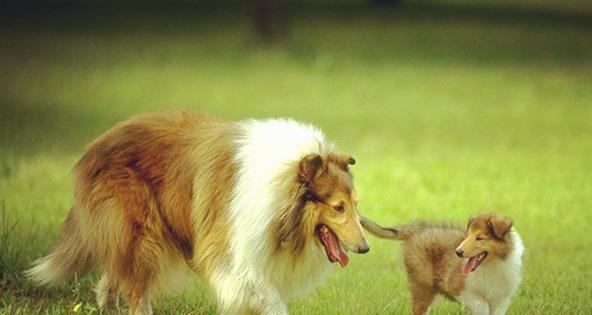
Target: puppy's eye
479,238
339,207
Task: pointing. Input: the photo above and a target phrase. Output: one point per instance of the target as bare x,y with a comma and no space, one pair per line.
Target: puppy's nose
459,252
363,249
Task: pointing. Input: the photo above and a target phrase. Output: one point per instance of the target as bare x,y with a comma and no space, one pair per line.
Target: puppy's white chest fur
493,281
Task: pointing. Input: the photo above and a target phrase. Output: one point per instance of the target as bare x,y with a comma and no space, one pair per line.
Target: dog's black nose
363,249
459,252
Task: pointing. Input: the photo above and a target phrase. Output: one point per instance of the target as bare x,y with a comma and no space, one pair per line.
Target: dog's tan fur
152,195
139,179
431,263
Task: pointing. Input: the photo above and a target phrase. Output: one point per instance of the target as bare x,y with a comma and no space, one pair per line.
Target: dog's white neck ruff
515,256
264,151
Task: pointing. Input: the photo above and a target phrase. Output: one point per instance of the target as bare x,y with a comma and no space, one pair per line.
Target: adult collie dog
260,208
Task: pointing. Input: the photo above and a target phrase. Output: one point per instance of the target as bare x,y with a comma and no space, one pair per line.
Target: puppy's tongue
469,266
335,249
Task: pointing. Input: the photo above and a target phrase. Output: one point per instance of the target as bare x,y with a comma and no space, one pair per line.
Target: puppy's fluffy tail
402,233
68,256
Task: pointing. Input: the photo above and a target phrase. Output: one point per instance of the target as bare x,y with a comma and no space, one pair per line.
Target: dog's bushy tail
68,256
402,233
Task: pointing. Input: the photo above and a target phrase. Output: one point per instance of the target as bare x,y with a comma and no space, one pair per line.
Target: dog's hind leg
107,293
137,287
139,302
422,298
138,256
140,270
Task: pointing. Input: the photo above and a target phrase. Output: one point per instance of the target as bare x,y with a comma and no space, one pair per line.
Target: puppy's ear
310,167
499,225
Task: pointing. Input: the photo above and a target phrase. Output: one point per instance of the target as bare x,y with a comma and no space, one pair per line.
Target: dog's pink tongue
469,266
336,250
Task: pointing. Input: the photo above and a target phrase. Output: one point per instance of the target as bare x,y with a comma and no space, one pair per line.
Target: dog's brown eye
311,197
479,238
339,207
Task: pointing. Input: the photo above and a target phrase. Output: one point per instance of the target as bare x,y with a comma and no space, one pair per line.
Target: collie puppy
260,208
480,268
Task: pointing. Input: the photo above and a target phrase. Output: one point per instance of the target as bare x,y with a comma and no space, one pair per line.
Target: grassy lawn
448,111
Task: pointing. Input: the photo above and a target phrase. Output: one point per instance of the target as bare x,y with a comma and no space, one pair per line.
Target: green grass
448,111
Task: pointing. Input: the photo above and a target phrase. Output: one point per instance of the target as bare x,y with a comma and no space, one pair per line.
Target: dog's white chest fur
257,278
489,289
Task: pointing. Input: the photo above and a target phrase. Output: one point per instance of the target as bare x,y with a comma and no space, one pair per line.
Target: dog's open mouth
473,263
332,245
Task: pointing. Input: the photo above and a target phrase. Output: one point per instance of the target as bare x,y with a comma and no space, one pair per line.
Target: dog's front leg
266,300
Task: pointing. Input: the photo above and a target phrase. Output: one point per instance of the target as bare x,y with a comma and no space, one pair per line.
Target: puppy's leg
499,308
422,297
474,303
267,301
107,293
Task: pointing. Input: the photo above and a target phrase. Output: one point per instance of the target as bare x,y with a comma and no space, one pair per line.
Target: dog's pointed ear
351,160
310,167
471,220
499,225
343,161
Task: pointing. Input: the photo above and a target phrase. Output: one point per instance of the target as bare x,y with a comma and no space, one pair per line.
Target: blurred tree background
270,18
